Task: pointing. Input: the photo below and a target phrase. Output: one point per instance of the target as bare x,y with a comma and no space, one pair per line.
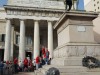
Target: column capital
22,19
37,20
50,20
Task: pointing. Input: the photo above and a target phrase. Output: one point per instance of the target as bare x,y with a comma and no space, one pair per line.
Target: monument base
75,41
71,54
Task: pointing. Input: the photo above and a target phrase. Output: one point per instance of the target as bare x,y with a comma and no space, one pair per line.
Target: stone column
22,41
50,39
12,43
36,39
7,41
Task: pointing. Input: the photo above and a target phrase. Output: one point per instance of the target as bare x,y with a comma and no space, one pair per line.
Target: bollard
53,71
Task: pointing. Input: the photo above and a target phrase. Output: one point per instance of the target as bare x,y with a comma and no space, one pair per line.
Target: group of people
16,66
38,62
6,67
43,58
27,64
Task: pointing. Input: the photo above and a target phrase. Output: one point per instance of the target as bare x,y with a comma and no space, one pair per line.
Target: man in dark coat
1,68
69,3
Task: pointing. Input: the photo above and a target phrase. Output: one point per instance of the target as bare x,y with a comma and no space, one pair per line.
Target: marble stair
69,70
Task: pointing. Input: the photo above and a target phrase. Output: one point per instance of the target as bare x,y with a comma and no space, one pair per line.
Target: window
98,7
94,5
2,37
98,2
95,9
29,40
17,39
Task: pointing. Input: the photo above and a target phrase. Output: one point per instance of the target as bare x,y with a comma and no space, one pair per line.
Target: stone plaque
81,28
38,3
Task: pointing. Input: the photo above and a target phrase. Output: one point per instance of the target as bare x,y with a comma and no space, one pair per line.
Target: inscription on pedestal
81,28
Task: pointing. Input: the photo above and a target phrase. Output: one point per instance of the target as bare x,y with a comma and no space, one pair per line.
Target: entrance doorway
29,54
1,54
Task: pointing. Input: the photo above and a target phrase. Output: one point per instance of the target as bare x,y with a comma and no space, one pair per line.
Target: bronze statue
68,4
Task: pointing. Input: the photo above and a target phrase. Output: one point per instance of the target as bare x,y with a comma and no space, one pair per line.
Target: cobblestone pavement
25,73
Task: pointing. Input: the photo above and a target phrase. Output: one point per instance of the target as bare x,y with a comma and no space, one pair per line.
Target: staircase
69,70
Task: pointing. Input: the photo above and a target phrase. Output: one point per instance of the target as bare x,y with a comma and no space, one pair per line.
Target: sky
3,2
81,4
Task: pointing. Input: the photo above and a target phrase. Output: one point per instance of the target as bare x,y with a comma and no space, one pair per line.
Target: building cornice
91,15
32,13
33,8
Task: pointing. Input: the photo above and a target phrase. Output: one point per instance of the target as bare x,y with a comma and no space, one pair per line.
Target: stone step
38,72
68,69
75,61
42,72
25,73
82,73
70,61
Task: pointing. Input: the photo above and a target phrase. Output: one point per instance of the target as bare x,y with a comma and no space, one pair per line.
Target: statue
69,4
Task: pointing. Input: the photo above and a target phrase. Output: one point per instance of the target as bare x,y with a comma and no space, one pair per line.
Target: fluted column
12,43
7,41
50,39
36,39
22,41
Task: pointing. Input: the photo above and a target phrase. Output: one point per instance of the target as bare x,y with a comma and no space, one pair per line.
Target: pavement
25,73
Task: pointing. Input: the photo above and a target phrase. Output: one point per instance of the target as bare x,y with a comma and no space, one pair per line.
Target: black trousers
68,4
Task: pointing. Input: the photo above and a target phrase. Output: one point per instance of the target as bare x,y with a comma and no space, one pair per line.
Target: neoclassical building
28,25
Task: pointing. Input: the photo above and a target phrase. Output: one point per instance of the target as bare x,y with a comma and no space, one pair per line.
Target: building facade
28,27
93,5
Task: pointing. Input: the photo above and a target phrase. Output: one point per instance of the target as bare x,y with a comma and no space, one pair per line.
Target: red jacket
25,61
37,59
15,61
43,50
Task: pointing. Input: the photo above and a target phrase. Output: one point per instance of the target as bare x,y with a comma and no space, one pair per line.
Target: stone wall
77,51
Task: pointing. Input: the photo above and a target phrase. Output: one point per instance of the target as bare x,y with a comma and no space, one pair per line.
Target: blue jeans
37,65
47,59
